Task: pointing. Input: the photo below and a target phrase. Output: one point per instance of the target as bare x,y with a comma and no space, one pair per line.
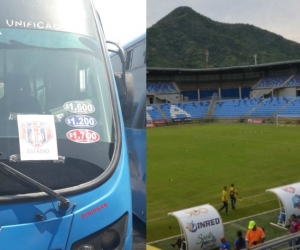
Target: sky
122,20
278,16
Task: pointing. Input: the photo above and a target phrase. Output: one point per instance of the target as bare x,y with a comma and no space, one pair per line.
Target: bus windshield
56,112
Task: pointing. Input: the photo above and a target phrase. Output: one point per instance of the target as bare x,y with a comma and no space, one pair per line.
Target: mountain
180,39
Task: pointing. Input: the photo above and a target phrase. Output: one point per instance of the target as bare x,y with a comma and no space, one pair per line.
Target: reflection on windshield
54,102
25,180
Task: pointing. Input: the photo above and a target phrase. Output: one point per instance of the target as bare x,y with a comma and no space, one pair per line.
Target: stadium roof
233,69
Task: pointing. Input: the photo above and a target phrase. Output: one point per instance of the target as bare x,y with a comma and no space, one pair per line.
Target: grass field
188,165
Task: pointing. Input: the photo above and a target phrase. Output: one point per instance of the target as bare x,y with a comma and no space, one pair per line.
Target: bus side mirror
126,93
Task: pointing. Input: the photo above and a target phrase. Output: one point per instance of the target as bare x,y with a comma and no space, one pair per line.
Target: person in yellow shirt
233,193
224,200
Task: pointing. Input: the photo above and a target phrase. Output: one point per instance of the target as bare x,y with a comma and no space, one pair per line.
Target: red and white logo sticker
83,136
36,133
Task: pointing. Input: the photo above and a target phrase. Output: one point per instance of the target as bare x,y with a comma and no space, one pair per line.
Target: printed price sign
79,107
83,136
81,121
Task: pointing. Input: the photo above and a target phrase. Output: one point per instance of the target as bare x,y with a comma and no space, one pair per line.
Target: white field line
245,139
233,221
241,202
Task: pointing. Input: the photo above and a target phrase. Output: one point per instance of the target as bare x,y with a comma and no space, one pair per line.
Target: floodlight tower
206,53
255,59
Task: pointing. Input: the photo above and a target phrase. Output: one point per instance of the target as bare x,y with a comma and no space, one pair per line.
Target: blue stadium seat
161,87
153,114
294,81
272,81
270,107
292,109
235,108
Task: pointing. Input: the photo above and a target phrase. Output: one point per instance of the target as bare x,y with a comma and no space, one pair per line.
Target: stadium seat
272,81
270,107
161,87
235,108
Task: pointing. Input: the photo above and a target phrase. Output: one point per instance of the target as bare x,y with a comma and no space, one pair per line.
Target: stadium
235,93
234,125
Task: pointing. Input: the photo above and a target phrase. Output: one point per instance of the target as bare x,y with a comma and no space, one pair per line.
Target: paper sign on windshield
37,137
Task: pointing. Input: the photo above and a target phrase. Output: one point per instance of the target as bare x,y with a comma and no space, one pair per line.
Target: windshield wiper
24,179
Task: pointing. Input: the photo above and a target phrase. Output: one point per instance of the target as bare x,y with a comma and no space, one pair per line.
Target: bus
135,121
64,166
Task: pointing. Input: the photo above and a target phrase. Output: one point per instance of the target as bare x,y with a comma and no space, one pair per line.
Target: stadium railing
281,243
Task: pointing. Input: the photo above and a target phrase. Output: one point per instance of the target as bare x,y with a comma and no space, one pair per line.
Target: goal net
287,120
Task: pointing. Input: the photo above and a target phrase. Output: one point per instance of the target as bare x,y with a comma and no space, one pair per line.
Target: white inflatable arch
289,202
201,227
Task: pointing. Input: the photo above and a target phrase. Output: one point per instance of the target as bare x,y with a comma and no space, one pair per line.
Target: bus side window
82,80
87,88
1,89
129,59
138,57
86,83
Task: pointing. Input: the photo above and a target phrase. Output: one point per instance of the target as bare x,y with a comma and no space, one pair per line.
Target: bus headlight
86,247
111,237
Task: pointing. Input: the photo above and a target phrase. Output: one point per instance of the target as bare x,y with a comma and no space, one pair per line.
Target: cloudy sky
278,16
122,20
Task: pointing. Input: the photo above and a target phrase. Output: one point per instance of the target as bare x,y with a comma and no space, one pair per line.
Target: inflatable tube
201,226
289,202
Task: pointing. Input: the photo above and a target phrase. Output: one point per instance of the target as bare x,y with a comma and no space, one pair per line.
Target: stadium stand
161,87
235,108
294,81
173,111
192,110
197,110
270,107
153,114
235,94
272,81
292,109
226,109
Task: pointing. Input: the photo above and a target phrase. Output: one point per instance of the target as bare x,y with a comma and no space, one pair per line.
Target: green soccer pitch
188,165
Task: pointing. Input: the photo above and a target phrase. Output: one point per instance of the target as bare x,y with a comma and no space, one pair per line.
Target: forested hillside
180,39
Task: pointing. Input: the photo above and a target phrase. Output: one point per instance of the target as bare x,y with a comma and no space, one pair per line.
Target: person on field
224,200
240,242
255,235
233,193
180,242
224,245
